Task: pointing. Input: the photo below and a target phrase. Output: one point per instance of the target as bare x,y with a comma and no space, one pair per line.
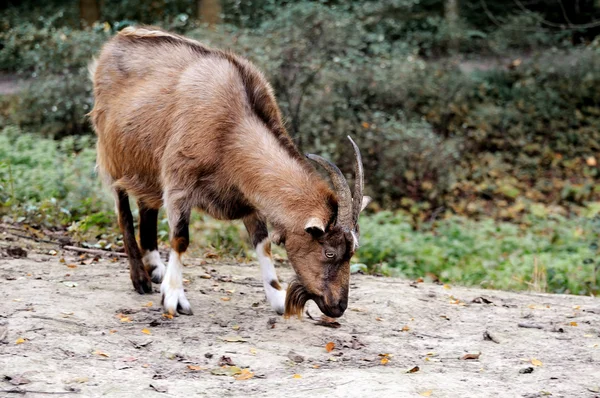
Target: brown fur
201,127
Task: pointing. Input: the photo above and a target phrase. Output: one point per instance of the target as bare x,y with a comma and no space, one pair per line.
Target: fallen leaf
481,300
329,346
405,329
226,298
112,331
253,351
146,331
20,340
536,362
470,356
245,375
125,319
226,371
384,361
413,370
447,287
297,376
526,370
71,266
426,393
379,319
167,316
489,337
159,388
225,361
17,380
102,354
195,368
573,323
148,304
316,366
233,339
328,322
295,357
205,276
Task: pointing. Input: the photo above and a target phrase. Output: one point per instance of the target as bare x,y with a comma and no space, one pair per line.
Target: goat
186,126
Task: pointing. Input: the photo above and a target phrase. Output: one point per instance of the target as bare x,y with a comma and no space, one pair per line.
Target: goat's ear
315,227
365,202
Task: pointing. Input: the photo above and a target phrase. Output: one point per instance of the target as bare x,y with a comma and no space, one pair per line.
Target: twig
32,238
49,318
530,326
21,391
94,251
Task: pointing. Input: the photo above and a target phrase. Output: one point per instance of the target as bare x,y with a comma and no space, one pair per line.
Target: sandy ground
75,327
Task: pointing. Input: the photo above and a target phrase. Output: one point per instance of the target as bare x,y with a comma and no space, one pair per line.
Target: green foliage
48,182
550,253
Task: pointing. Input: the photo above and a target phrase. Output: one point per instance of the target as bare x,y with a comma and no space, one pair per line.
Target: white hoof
276,298
154,265
174,300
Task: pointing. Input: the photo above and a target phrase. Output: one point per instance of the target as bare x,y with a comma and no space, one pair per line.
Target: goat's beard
295,299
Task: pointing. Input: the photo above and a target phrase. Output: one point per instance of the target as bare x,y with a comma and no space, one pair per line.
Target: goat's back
161,98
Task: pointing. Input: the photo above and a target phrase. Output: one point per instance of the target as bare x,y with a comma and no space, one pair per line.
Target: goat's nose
342,305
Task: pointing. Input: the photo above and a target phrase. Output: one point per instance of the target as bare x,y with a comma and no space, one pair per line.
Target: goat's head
321,253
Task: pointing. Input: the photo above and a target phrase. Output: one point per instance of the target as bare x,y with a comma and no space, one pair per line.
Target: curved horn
357,201
344,217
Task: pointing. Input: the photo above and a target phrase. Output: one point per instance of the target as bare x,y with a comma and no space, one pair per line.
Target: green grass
52,184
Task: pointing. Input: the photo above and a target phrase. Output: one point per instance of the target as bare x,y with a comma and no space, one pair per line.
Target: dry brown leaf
328,322
20,340
71,266
330,346
405,328
195,368
536,362
471,356
112,331
426,393
573,323
125,319
315,366
226,298
146,331
167,316
245,375
379,319
102,354
205,276
384,360
297,376
413,370
148,304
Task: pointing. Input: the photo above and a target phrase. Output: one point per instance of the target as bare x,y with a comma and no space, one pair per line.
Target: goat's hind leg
139,277
173,295
257,228
148,231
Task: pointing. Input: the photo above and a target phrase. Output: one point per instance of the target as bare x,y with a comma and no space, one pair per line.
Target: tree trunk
451,15
209,11
89,11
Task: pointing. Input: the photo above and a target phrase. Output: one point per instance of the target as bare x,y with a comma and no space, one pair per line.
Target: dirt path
84,332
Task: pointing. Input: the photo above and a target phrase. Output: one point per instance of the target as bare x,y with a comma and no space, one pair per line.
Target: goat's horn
358,184
344,217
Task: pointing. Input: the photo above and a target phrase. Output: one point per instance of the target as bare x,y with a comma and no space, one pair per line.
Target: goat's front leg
173,295
257,228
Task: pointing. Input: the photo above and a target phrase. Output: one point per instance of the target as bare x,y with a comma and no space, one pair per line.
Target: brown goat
183,125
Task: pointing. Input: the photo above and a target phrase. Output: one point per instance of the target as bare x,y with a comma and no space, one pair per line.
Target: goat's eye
329,254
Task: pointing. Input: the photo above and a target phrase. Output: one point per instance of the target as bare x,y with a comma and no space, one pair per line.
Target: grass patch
52,184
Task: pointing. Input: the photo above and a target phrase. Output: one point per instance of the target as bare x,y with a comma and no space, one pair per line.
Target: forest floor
71,325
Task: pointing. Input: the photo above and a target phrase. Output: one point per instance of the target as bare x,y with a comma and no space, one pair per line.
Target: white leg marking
275,297
155,265
172,287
